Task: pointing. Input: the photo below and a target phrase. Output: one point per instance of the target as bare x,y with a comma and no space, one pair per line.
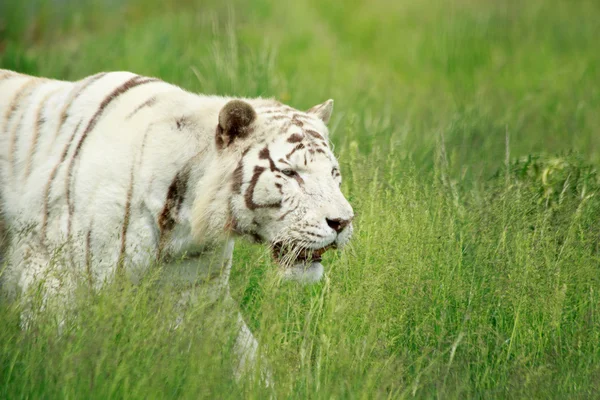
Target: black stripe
48,188
130,84
15,100
88,255
238,174
10,111
287,213
39,121
314,134
299,146
173,202
75,93
126,218
265,154
238,178
249,195
12,152
148,103
295,138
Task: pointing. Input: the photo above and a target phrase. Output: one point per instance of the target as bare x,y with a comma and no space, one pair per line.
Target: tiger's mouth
290,255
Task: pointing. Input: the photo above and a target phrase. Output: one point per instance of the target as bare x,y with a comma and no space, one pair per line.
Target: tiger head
283,187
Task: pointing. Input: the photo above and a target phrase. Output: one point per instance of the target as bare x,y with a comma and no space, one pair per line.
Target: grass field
469,134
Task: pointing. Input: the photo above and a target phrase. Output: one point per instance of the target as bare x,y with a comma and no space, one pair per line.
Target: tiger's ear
323,111
235,119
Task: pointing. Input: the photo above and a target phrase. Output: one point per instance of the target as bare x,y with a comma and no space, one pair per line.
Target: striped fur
116,171
160,169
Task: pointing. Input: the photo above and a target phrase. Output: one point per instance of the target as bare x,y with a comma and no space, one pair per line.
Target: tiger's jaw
304,273
300,264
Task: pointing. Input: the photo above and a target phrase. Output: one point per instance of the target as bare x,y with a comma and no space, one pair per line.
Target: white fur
129,159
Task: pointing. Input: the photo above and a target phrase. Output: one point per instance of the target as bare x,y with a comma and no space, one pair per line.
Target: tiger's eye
288,172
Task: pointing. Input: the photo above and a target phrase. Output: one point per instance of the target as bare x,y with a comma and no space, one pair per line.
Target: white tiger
120,171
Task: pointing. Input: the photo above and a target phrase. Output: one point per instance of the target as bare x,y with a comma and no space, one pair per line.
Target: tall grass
468,138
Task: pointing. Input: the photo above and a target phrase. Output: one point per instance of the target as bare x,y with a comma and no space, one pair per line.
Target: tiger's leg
247,355
3,241
245,348
40,279
205,282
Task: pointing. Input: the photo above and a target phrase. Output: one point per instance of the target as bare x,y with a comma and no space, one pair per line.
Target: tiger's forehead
292,136
307,146
285,117
301,145
286,120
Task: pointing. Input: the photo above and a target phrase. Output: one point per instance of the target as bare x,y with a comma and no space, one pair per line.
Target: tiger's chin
305,273
300,265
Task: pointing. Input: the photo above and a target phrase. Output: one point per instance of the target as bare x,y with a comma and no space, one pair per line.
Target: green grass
468,134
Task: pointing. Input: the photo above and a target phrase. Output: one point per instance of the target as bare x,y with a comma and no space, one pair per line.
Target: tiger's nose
338,224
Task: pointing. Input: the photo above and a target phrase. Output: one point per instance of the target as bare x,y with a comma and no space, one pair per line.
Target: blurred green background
469,134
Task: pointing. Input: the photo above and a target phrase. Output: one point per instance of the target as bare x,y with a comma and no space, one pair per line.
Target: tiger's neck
196,180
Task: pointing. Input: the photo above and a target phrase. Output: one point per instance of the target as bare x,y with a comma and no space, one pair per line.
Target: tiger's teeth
302,255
